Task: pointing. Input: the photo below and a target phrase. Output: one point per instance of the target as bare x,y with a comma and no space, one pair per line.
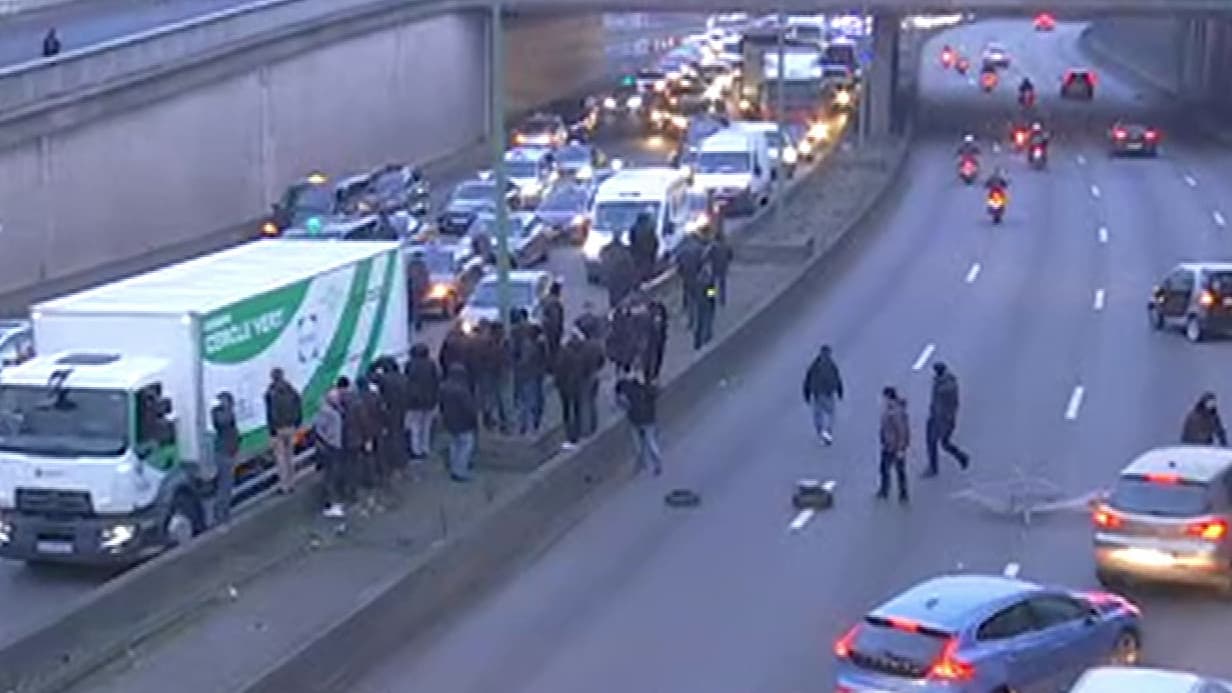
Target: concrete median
547,503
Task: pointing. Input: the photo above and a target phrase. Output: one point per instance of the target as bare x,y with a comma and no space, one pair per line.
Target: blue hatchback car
986,634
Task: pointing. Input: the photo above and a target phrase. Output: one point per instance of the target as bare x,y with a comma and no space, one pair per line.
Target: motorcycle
996,205
1026,99
962,66
1037,157
988,81
947,58
968,169
1020,139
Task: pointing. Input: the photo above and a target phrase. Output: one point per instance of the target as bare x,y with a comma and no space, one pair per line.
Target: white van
776,140
661,192
736,165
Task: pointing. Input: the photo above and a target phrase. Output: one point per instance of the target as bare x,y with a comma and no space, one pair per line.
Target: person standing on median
391,384
51,44
284,413
423,391
553,321
688,265
460,417
655,340
638,399
569,383
226,449
942,419
327,432
530,367
895,440
823,388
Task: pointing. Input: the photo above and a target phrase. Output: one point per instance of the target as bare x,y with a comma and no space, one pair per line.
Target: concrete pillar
882,74
1194,64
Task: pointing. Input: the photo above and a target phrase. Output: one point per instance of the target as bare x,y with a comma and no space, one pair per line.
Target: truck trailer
105,442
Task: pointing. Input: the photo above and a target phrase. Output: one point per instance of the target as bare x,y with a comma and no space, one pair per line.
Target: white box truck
105,447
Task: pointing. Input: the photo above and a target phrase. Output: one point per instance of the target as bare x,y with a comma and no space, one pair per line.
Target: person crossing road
942,419
823,387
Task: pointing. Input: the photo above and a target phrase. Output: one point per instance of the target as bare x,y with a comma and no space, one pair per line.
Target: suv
542,130
1167,519
1078,84
1195,296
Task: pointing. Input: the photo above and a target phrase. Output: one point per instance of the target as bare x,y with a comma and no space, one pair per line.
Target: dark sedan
564,212
468,200
1132,138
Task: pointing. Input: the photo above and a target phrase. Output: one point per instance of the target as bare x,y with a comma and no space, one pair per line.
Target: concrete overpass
170,135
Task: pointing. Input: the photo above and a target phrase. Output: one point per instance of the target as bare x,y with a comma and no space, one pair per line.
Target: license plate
55,548
1135,145
1149,557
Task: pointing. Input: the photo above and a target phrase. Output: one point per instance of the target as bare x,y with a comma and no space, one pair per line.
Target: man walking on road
823,387
1202,426
942,418
553,321
284,412
637,398
895,439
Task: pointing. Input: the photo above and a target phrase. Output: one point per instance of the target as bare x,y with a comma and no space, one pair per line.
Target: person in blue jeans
530,368
460,418
823,388
638,398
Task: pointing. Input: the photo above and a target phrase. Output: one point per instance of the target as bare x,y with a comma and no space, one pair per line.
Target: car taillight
1107,600
1152,135
1105,518
1120,134
1163,478
842,648
1211,530
949,667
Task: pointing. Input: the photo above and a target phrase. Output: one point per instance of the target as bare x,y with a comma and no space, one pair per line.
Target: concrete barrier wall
9,7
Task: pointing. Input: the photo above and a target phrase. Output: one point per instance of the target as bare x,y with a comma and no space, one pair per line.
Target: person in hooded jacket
391,385
374,419
283,417
423,389
459,348
460,417
623,337
620,272
895,440
568,377
491,372
590,323
1202,425
654,326
530,368
705,302
690,255
638,399
823,388
51,43
226,451
719,254
553,320
942,419
644,245
418,283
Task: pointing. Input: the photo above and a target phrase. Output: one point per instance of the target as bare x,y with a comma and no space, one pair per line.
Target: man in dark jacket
423,387
705,304
418,281
644,245
655,342
491,372
391,384
571,384
895,440
719,254
942,419
620,274
51,43
591,324
689,257
530,368
459,348
374,418
823,388
284,412
226,449
460,417
638,399
553,321
1203,425
623,337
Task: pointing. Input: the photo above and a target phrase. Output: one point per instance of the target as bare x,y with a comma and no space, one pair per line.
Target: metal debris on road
1024,495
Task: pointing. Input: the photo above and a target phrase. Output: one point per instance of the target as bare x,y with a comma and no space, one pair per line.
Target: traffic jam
1163,523
709,102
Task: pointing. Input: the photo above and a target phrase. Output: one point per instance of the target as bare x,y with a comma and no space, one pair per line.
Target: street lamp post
496,135
780,178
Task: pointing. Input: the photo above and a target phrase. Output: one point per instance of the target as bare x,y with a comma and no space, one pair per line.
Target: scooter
988,81
1026,99
968,169
996,205
1037,157
962,66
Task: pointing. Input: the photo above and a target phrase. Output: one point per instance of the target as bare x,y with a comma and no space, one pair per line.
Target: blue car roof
950,602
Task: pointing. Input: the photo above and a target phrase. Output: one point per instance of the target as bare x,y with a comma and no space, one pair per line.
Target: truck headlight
578,220
609,103
593,246
789,155
819,132
116,536
438,291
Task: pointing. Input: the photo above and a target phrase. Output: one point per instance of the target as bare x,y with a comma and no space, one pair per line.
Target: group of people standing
823,389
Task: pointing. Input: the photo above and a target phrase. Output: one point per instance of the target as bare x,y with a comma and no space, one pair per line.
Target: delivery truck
105,441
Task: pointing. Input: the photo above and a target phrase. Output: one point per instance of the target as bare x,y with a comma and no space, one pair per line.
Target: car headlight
578,220
658,116
745,104
699,222
843,98
660,85
468,325
634,102
680,122
819,132
593,246
438,291
585,172
116,536
805,147
609,103
789,155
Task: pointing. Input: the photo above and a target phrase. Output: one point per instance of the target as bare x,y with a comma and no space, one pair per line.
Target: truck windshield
723,162
619,216
310,201
40,421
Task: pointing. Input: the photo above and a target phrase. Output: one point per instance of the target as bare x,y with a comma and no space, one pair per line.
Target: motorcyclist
1025,86
1038,136
968,148
997,182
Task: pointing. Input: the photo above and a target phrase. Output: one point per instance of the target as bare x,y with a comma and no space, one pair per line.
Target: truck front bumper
101,540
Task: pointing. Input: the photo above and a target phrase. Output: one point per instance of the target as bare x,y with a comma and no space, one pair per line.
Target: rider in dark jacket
1202,424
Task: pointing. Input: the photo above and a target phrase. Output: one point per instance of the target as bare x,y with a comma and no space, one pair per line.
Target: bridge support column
1197,58
881,80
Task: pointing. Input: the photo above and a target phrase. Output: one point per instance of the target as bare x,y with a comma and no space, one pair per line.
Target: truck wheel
183,521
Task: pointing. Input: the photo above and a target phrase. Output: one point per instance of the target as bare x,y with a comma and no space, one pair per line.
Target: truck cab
89,460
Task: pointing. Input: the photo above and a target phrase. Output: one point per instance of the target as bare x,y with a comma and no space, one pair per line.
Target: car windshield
522,169
1220,282
389,184
1134,494
539,126
650,74
474,191
67,422
574,155
917,649
569,198
437,260
310,201
723,162
701,128
488,296
619,216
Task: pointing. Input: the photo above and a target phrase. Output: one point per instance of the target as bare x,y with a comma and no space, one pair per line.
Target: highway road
32,594
1043,321
82,24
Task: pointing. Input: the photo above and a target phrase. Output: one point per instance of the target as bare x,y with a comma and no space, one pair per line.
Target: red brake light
904,624
1151,134
1105,518
842,648
1162,478
948,667
1120,134
1211,530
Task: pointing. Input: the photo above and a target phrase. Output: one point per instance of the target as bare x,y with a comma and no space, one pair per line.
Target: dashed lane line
925,354
1075,403
801,519
973,272
1011,570
1219,220
1191,181
1095,192
1099,299
1103,234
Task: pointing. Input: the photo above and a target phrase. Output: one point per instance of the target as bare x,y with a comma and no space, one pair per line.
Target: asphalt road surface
1043,321
30,594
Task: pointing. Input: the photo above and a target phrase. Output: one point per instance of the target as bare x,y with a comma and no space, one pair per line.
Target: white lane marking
925,355
973,272
1099,299
1191,181
802,519
1103,234
1075,403
1219,220
1081,159
1011,570
1095,191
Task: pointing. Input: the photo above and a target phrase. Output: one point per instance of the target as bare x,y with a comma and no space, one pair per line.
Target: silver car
1167,519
